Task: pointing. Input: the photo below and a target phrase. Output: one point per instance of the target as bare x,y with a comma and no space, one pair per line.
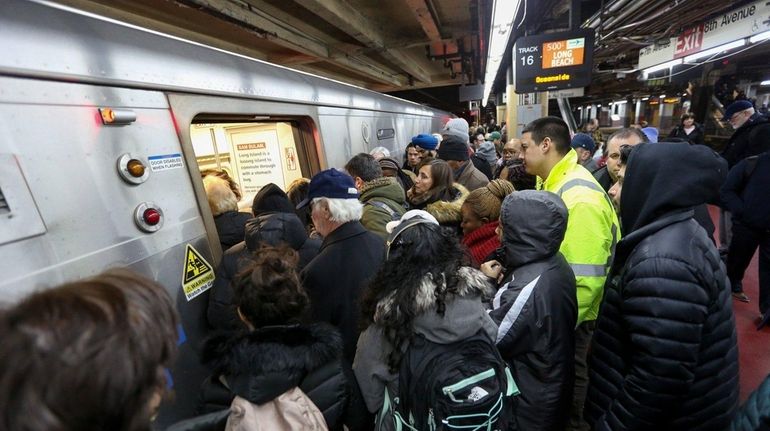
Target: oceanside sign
736,24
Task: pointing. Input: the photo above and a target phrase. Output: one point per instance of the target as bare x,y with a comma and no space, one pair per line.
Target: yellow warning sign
198,275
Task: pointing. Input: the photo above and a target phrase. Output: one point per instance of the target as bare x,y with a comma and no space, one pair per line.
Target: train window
253,154
385,134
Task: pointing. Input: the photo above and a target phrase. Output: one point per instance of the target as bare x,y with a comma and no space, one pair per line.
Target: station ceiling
422,50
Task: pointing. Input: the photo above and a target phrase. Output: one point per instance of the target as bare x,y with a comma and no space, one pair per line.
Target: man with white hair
751,138
349,256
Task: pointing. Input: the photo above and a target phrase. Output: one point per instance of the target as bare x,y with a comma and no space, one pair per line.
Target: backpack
463,385
292,410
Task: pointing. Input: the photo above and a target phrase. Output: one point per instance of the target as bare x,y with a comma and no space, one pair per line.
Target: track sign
553,61
197,275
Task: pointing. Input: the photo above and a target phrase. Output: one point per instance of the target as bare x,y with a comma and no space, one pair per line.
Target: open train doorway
252,154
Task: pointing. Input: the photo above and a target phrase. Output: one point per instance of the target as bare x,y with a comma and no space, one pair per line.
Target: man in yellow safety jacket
592,232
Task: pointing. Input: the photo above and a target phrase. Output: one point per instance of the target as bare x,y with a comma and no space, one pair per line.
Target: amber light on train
111,116
136,168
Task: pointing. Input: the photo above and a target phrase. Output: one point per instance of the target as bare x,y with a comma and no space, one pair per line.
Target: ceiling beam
345,17
275,32
285,35
424,16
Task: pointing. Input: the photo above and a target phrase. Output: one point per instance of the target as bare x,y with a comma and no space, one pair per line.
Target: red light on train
151,216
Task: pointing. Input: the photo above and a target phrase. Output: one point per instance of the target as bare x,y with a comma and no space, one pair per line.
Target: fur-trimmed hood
447,212
464,314
262,364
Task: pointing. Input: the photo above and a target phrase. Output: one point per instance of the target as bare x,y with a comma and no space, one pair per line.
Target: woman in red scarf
481,211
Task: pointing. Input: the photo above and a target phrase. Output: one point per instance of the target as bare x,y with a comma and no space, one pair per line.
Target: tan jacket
292,410
472,178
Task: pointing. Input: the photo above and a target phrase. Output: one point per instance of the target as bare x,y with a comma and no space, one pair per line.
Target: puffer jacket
752,138
268,229
260,365
463,317
664,354
536,336
387,191
230,226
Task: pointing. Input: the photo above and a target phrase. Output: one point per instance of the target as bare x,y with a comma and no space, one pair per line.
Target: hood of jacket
449,211
534,223
464,313
385,188
487,152
275,228
668,178
264,363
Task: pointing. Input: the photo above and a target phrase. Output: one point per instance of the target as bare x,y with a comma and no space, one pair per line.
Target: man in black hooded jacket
536,308
664,354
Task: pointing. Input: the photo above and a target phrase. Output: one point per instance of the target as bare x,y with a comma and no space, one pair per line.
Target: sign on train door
257,155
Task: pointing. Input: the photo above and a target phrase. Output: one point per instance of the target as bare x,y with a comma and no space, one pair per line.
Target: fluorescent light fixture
715,50
620,102
503,14
662,96
759,37
580,108
765,83
598,106
662,66
644,99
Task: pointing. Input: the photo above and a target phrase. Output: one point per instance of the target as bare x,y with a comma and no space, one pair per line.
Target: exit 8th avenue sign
553,61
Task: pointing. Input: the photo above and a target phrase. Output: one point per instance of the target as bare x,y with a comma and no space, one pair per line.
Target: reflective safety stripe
585,270
585,183
515,310
499,295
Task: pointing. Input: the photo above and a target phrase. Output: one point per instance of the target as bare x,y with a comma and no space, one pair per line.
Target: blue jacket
746,198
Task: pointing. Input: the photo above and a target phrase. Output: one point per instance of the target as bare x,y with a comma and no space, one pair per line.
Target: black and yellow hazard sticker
198,275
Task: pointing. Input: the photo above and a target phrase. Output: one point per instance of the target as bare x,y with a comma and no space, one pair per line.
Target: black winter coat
749,140
695,137
664,354
267,229
261,365
603,178
539,345
335,280
230,227
747,197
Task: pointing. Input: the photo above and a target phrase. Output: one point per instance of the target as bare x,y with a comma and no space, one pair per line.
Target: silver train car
104,128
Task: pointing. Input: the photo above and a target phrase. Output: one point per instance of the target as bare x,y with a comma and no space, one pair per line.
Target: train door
255,142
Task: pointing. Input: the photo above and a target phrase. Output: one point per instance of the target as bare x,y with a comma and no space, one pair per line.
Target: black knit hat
271,199
453,148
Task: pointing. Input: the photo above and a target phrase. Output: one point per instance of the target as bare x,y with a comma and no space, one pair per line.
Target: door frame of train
189,108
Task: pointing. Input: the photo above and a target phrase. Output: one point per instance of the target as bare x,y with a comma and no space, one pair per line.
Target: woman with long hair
436,192
421,289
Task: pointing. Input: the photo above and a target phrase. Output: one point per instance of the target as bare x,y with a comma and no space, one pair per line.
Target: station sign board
744,21
553,61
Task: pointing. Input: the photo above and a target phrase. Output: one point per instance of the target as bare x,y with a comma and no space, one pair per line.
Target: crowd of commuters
584,264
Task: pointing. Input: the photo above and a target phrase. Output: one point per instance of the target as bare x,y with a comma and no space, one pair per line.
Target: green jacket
592,231
384,190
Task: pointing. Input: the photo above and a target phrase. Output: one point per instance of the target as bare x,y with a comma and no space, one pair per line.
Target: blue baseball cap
332,184
735,107
581,140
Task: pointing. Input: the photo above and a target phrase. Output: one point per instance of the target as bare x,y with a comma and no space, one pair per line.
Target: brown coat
472,178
